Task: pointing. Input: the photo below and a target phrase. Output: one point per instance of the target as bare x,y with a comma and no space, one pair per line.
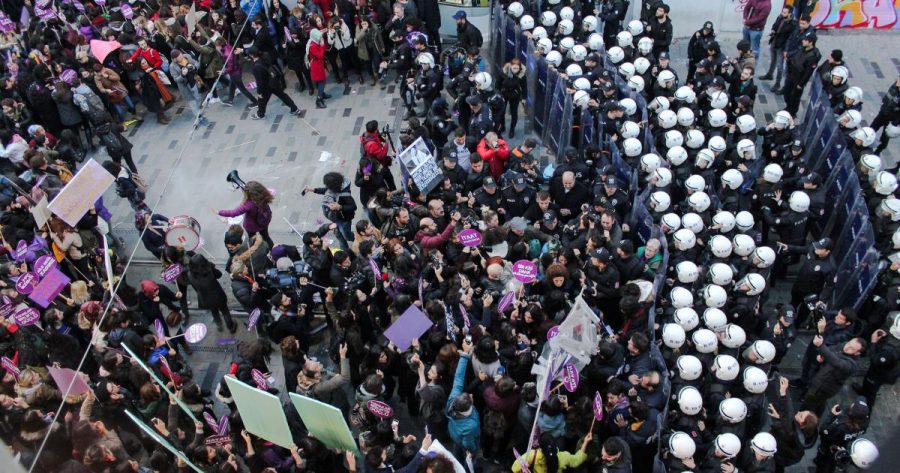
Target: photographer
374,146
338,205
291,319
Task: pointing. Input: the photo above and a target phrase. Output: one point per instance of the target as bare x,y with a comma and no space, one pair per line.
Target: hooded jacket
465,430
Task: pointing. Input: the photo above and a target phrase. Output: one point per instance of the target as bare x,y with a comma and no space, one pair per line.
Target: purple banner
524,271
412,324
172,272
50,287
553,332
470,237
376,271
6,25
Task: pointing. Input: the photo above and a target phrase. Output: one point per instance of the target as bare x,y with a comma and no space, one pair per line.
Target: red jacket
429,242
494,157
317,62
756,12
151,55
374,146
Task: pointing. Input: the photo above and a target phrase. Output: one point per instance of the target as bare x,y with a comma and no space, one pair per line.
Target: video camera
284,279
235,180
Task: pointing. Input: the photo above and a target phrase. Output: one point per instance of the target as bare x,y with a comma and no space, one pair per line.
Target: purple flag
376,271
506,301
465,316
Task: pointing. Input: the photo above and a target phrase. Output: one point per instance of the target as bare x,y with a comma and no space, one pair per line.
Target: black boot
320,103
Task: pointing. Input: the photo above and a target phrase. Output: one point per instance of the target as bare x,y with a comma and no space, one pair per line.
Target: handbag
174,318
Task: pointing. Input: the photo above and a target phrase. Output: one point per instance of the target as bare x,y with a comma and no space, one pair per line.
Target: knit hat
149,288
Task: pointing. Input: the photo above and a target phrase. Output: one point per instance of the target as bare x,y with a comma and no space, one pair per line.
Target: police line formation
613,306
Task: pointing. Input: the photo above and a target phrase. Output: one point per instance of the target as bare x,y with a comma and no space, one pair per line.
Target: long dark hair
548,446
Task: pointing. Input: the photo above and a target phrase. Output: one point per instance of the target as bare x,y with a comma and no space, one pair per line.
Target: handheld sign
553,332
210,421
470,237
21,251
571,377
9,366
195,333
157,324
26,283
465,316
506,301
259,379
44,265
172,272
6,310
524,271
26,316
376,271
126,10
598,406
217,440
380,409
222,428
253,319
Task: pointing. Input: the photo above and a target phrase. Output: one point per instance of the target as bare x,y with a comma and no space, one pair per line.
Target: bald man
428,238
569,195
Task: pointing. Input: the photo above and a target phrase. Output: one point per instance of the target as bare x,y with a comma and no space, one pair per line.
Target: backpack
495,424
91,105
276,78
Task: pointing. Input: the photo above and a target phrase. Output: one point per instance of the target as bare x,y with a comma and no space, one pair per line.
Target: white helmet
714,296
854,95
546,45
635,27
728,444
685,116
636,84
705,156
578,53
686,272
632,147
684,239
763,257
718,100
565,27
694,139
667,119
685,94
717,118
733,336
705,340
866,135
720,246
629,105
659,104
526,22
681,298
863,453
755,282
764,443
672,221
589,23
725,220
763,350
695,183
641,64
673,335
676,155
745,123
783,119
581,98
732,179
682,445
515,9
582,83
573,70
649,162
799,201
772,173
850,119
689,367
645,45
714,319
743,220
615,55
483,81
425,59
686,317
726,368
891,206
755,380
595,42
885,183
665,76
842,72
548,19
717,144
720,273
743,244
892,130
553,2
744,148
567,13
870,164
699,201
663,176
554,58
540,33
566,43
895,240
733,409
895,327
624,39
660,201
690,401
692,222
630,129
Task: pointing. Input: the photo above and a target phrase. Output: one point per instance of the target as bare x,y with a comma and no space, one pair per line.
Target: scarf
315,36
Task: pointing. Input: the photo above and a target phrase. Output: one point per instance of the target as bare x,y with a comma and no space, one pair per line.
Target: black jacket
467,35
801,65
781,31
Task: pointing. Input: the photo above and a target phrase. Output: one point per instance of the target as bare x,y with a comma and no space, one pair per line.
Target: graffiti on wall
873,14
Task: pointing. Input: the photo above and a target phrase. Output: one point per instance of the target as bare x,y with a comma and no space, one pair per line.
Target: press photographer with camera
374,146
338,205
291,316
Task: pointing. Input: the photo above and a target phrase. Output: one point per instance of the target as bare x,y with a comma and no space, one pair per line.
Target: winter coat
316,58
370,39
210,59
464,430
256,219
340,41
755,14
69,114
210,294
233,63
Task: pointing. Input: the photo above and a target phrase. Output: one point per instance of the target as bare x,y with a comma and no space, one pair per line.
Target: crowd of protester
733,200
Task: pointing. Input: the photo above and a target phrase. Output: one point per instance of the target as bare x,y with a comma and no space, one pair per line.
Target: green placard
324,422
181,404
161,440
261,413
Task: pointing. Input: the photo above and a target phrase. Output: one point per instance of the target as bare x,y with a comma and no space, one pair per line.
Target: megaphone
235,180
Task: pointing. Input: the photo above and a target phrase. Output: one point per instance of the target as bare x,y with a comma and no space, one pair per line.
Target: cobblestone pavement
285,153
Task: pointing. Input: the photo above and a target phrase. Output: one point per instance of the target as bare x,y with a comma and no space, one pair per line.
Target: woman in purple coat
255,209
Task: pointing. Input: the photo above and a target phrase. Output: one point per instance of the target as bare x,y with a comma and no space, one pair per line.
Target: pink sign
6,310
253,319
21,251
211,421
553,332
49,287
126,10
570,377
9,366
380,409
158,326
26,316
598,406
44,265
64,377
506,301
6,25
470,237
26,283
524,271
172,272
217,440
259,379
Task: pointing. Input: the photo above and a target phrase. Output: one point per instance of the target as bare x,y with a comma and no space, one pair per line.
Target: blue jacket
464,430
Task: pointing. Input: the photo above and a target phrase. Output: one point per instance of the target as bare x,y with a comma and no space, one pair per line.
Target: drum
183,232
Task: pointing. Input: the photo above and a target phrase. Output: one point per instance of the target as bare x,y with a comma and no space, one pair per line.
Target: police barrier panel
510,44
827,138
664,251
841,189
523,50
858,231
531,63
542,83
813,109
559,119
623,171
588,123
858,285
498,27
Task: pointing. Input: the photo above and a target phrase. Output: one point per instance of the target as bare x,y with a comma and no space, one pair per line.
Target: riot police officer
816,276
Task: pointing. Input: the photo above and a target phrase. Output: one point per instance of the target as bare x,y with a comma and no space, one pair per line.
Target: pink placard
217,440
259,379
380,409
172,272
8,365
49,287
195,333
470,237
598,406
26,316
44,265
571,377
553,332
64,376
524,271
